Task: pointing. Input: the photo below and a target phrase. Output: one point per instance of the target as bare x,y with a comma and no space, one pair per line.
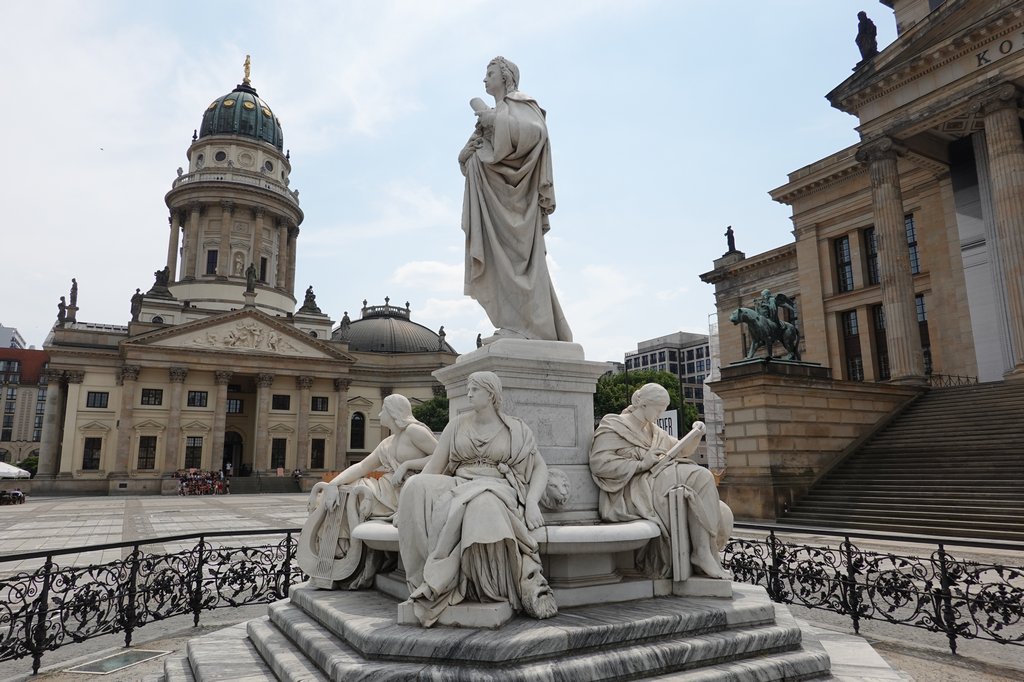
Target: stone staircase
340,635
951,465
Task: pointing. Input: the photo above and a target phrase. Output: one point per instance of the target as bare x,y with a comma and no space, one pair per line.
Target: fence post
851,595
774,584
37,634
944,601
133,576
287,565
197,587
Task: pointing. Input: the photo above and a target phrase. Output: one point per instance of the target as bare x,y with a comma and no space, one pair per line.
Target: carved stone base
695,586
487,616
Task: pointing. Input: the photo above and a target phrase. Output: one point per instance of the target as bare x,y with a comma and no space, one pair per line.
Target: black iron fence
961,598
950,380
56,604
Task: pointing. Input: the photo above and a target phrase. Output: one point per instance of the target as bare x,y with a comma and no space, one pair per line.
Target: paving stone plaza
62,522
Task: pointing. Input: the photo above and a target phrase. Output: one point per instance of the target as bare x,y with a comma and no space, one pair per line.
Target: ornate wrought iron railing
59,603
961,598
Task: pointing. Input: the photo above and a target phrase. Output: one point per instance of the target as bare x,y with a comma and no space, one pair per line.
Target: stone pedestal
787,424
550,386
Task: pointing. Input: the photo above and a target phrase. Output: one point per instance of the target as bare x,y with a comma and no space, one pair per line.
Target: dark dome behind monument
388,329
242,112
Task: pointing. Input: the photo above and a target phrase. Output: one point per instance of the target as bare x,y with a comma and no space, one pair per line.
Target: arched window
357,437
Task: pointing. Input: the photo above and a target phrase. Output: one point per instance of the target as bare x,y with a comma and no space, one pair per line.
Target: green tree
433,413
29,464
614,392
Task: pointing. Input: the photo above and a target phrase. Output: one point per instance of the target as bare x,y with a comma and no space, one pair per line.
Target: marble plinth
549,385
488,616
354,636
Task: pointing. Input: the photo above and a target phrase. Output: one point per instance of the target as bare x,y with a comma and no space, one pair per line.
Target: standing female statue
628,463
509,196
464,522
366,490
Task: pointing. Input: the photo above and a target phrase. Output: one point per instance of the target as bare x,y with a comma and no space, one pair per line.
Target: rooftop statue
464,522
730,239
74,292
250,278
866,39
366,490
636,466
309,303
765,327
137,299
62,312
509,196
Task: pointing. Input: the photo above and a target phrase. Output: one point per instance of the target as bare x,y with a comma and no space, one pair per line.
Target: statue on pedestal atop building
137,298
250,278
74,292
765,327
866,39
62,312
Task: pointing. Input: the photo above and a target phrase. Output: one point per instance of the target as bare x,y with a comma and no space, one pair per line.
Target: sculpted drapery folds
464,522
627,461
366,490
509,196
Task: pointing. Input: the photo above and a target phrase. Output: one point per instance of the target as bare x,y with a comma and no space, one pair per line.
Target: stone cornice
754,262
864,87
843,167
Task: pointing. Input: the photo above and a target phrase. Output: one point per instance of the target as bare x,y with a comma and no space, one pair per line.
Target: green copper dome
242,112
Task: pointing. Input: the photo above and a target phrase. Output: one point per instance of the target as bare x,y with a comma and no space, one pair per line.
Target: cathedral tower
233,209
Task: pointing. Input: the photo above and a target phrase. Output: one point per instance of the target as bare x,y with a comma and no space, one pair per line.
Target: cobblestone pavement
62,522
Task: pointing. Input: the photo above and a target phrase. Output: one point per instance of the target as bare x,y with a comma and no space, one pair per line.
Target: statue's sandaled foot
503,334
708,564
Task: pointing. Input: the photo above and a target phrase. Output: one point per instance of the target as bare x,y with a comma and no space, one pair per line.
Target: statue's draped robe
462,534
628,494
355,564
509,194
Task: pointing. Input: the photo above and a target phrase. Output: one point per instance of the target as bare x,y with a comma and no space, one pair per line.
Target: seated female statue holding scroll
363,491
464,522
636,465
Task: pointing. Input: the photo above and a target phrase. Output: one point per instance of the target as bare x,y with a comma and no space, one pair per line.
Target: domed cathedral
217,370
230,214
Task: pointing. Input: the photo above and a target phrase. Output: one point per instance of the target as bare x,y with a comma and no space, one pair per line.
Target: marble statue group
477,510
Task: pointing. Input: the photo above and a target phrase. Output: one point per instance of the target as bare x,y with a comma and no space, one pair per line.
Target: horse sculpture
766,332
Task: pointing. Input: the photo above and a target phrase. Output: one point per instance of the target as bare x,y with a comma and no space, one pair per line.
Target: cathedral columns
224,250
52,416
1005,146
293,235
192,240
257,240
172,441
903,335
341,425
261,449
129,381
282,255
303,383
220,407
67,448
172,246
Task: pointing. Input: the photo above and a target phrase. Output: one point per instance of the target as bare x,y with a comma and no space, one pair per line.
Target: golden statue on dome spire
245,78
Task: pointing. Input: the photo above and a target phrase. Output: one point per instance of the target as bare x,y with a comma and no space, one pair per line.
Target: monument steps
949,465
320,635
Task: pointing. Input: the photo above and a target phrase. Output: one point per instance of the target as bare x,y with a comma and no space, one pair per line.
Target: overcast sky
668,120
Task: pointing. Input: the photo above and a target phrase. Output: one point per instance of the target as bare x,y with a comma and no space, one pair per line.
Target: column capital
227,206
879,149
129,373
195,207
293,231
53,376
264,380
304,382
258,213
342,384
1003,96
177,374
222,377
75,376
385,391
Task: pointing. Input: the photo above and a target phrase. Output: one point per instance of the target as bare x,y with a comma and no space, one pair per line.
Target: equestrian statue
765,327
